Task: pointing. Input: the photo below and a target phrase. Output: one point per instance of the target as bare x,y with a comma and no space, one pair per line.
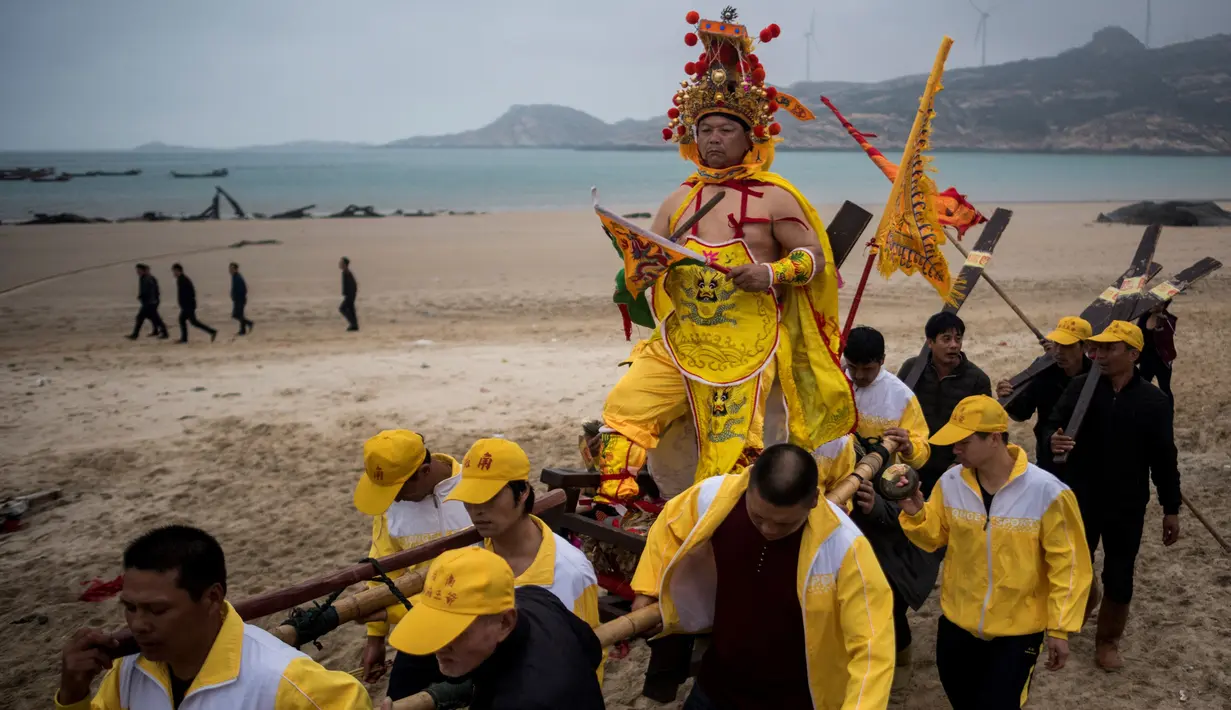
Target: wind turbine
1148,22
981,32
809,43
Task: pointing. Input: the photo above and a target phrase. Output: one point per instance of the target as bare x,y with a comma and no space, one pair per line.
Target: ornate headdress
728,79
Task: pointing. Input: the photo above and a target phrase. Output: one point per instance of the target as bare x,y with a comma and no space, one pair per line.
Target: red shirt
756,657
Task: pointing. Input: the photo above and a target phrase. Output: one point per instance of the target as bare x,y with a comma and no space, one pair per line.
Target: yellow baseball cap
1119,331
488,467
978,413
461,586
389,460
1071,330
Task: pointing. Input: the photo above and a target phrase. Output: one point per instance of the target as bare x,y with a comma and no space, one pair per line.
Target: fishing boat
222,172
62,177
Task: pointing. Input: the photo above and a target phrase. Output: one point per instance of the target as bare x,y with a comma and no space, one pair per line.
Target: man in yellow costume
745,342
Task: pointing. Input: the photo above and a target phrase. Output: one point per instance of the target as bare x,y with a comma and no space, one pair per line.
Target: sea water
539,179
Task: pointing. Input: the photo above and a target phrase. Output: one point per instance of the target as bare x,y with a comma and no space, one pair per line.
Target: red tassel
628,323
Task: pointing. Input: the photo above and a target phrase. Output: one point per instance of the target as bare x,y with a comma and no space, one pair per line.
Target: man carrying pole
195,650
521,646
405,489
1067,347
1017,570
821,635
495,488
1126,439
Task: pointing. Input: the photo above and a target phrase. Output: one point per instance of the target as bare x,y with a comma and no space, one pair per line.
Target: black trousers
901,627
237,313
698,700
985,675
1120,528
149,313
412,674
347,309
190,316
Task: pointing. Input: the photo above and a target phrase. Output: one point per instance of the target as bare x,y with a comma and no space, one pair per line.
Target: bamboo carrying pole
283,599
361,605
648,618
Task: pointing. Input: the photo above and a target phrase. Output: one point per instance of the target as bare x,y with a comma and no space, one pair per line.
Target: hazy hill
1110,95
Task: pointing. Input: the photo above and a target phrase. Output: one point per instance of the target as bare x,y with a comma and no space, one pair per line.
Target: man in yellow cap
404,488
798,609
495,488
520,646
1126,439
1067,347
1017,570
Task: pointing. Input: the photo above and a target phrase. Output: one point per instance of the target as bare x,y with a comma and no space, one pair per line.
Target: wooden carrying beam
289,597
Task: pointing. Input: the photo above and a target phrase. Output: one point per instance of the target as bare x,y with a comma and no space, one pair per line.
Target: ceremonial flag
952,208
909,236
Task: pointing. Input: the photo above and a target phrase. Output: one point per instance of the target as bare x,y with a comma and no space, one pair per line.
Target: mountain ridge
1111,95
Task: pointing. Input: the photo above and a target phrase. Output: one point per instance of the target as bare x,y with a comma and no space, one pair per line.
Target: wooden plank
967,279
603,533
844,231
1172,287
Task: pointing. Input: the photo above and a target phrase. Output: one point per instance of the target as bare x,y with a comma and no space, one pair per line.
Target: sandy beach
473,326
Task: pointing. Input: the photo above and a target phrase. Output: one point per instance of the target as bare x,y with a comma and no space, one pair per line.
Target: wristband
794,269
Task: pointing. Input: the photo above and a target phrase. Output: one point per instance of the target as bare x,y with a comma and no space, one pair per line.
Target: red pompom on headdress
727,78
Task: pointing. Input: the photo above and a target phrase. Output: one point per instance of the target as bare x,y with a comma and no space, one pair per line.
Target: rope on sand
130,260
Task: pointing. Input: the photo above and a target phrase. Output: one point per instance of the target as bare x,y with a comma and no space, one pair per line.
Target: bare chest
743,214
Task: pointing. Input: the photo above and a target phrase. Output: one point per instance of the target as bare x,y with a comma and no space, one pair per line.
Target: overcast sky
102,74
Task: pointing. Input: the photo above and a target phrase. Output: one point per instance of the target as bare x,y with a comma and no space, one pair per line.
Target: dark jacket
1040,395
549,661
239,289
147,290
910,570
186,293
1125,439
350,288
938,398
1159,342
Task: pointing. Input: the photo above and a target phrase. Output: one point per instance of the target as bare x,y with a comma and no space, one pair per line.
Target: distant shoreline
628,148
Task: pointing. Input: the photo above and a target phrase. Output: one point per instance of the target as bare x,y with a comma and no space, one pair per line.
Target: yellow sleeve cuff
83,704
1062,635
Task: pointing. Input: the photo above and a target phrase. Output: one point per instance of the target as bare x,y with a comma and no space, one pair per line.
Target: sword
664,242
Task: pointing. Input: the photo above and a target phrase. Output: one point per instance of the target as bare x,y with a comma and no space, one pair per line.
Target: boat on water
62,177
222,172
26,173
106,173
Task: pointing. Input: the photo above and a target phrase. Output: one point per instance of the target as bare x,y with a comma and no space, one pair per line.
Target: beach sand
473,326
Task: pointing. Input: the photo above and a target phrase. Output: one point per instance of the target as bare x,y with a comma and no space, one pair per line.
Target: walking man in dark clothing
1067,346
239,299
1126,439
147,295
350,289
948,379
187,294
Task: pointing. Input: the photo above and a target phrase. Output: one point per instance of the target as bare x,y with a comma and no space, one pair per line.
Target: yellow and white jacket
887,403
408,524
847,604
1024,568
563,570
835,460
246,669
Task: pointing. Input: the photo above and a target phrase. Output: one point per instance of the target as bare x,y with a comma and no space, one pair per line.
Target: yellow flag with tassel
909,236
